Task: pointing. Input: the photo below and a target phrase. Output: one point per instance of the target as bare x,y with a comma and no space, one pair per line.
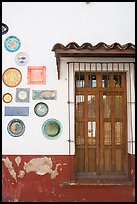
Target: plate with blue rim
16,127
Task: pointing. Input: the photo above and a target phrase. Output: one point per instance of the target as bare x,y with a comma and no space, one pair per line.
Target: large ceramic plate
12,43
16,127
12,77
41,109
51,128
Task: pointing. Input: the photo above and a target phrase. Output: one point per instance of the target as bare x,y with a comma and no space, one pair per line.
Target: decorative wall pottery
51,128
12,43
22,58
7,97
22,95
36,75
41,109
16,127
16,111
12,77
44,94
5,28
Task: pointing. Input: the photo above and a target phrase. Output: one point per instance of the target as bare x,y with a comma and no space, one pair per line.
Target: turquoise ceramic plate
16,127
51,128
12,43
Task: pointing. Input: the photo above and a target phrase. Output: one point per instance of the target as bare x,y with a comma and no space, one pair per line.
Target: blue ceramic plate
12,43
51,128
16,127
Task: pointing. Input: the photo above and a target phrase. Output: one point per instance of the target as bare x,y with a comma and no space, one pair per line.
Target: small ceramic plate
22,58
16,127
51,128
5,28
12,43
7,97
41,109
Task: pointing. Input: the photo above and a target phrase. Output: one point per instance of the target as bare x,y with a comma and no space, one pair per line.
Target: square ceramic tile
36,75
22,95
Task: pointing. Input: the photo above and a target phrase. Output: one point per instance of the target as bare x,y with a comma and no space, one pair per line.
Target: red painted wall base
23,185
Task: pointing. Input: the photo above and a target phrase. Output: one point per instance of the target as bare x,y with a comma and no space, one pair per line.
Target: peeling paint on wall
40,166
8,164
55,172
18,160
21,174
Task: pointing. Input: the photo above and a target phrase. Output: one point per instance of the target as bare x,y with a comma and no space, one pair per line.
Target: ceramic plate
22,58
51,128
4,28
12,43
12,77
16,127
7,97
41,109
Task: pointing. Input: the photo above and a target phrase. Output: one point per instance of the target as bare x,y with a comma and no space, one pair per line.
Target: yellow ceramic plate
12,77
7,97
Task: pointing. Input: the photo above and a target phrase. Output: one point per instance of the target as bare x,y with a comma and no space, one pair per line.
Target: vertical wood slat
86,123
113,123
101,124
124,128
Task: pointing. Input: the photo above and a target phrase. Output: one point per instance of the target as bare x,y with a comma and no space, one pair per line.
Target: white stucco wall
40,25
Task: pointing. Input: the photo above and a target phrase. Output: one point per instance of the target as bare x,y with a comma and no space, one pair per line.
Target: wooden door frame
97,92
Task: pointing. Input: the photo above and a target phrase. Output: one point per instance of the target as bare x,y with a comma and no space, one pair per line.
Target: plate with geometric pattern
12,43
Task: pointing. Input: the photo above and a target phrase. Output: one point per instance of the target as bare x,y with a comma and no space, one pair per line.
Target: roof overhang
88,50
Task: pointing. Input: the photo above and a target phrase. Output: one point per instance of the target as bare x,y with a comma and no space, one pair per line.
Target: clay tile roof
88,50
101,45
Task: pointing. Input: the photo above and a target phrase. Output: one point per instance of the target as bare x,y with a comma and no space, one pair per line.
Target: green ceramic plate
51,128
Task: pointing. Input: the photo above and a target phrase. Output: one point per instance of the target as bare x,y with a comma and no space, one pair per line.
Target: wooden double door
100,124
